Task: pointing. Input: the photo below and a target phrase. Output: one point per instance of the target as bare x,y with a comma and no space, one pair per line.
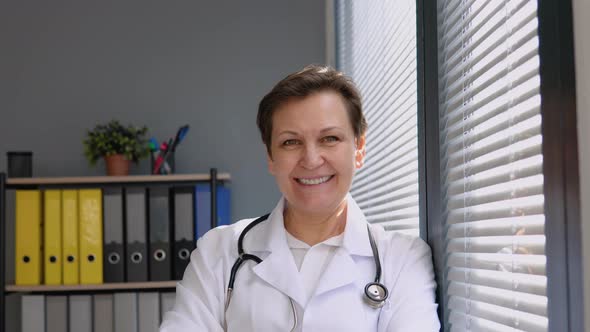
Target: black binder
114,251
184,221
136,234
159,230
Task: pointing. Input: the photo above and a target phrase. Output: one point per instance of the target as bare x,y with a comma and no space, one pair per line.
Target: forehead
316,111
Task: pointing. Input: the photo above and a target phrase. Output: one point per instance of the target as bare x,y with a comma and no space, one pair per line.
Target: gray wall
68,65
582,48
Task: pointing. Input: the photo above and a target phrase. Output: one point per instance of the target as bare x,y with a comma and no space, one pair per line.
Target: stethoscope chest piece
375,295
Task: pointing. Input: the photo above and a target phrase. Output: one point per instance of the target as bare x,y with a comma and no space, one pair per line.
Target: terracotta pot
117,165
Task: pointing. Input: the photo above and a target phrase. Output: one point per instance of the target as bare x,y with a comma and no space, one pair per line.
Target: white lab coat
260,303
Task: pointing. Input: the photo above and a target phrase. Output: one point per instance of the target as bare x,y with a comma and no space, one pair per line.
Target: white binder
125,314
80,313
149,312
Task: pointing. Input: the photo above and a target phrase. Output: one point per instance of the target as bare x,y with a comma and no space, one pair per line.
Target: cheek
281,164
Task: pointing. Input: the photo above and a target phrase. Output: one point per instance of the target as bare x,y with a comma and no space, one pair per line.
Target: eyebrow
290,132
287,132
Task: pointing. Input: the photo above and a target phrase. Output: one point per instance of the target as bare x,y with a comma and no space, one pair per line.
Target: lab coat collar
279,269
356,237
270,235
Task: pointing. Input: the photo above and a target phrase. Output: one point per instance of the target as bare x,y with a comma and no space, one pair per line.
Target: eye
330,139
290,142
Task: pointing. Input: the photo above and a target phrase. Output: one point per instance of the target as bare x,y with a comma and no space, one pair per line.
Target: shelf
113,179
86,288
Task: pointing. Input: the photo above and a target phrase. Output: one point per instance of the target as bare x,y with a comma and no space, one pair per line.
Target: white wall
581,13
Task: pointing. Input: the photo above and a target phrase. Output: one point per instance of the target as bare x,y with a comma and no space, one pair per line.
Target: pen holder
167,165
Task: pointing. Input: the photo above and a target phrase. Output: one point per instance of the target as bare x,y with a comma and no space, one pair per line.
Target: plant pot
117,165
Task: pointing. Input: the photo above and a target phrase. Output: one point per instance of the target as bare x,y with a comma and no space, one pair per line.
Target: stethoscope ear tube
375,292
234,271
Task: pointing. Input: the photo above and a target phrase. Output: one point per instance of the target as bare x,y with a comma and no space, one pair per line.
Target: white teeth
314,181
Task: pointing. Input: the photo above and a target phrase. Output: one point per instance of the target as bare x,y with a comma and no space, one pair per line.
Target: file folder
13,313
223,205
69,227
149,312
56,313
28,237
103,313
159,233
203,207
80,313
114,255
167,300
33,313
125,312
136,246
90,236
184,234
52,237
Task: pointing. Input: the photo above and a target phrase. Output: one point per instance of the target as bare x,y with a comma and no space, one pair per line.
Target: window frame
560,158
560,167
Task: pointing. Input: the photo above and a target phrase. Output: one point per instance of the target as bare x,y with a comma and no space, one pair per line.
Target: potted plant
117,144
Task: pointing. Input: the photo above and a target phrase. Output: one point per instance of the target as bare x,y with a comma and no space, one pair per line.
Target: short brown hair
311,79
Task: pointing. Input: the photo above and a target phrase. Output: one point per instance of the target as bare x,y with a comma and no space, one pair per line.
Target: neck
313,229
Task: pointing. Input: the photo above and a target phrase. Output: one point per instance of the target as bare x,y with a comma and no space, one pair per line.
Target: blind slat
521,301
532,225
528,244
521,282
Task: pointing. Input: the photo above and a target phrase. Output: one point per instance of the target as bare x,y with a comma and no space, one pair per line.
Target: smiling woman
313,156
314,263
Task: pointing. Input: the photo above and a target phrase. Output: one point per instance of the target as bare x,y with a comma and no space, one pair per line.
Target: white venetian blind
491,161
377,48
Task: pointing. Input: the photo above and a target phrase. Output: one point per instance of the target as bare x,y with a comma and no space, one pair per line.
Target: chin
316,205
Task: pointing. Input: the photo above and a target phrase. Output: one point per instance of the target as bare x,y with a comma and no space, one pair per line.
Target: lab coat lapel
342,269
278,268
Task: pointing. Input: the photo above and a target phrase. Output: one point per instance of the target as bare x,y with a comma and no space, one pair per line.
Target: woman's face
314,153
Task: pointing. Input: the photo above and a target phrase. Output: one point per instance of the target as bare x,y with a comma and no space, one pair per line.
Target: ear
360,153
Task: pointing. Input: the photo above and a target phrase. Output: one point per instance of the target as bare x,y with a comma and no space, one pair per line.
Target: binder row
149,232
119,312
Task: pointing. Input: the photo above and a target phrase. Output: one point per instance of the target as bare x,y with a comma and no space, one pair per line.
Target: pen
180,134
165,148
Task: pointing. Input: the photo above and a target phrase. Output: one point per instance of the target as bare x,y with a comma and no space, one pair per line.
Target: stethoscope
375,292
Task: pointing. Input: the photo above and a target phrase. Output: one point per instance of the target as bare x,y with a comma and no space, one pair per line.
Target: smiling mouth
314,181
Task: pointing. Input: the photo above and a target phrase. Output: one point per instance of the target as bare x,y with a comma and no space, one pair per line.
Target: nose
312,157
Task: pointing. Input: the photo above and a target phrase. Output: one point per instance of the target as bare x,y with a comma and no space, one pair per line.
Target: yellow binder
69,229
90,201
28,237
52,237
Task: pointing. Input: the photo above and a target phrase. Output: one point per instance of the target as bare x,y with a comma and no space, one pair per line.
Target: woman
314,267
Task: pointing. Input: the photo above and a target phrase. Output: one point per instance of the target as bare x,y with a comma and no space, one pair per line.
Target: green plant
114,138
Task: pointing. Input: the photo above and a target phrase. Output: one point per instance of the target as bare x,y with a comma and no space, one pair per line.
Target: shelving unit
84,182
119,286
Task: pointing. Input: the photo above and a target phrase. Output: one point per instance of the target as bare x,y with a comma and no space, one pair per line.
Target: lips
314,181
